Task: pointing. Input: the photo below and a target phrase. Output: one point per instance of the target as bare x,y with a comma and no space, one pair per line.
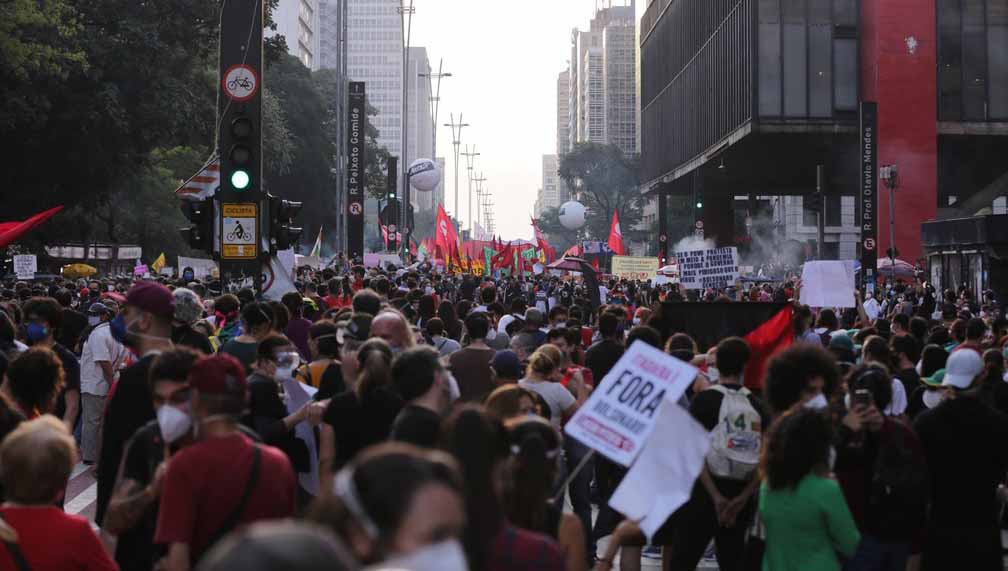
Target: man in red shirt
224,480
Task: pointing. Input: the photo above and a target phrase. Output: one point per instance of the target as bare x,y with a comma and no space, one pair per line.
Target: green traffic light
699,204
240,180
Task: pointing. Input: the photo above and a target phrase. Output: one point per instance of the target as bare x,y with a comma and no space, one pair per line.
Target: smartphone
862,397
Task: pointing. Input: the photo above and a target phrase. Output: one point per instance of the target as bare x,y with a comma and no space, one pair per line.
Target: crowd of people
406,419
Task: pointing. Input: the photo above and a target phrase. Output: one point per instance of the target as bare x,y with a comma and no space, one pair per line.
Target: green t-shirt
807,526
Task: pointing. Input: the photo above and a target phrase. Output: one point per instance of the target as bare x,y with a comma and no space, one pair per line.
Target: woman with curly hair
34,379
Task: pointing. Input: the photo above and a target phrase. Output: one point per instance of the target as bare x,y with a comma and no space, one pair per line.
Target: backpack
735,441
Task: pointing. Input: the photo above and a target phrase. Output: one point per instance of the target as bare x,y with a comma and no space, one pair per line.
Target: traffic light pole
821,213
241,199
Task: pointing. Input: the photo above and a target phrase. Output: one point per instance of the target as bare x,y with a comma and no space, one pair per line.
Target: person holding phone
881,469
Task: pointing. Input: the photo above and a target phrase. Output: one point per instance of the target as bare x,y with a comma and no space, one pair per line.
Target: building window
769,58
795,57
845,82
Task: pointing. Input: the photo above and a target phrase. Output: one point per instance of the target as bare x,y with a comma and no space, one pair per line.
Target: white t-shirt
504,322
445,346
556,396
899,399
100,346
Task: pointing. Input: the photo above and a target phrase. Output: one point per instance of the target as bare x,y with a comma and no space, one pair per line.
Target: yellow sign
239,229
634,268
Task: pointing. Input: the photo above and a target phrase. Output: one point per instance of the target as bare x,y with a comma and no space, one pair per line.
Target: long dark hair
426,309
535,446
452,325
478,441
374,359
797,443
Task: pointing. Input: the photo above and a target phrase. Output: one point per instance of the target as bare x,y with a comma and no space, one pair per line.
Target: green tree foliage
376,173
606,180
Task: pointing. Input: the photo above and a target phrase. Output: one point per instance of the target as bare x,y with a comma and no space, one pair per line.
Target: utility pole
456,141
821,213
470,156
435,98
479,193
406,20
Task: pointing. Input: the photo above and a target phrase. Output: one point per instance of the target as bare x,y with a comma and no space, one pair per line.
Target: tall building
742,100
374,56
549,192
332,55
420,130
298,22
563,112
602,81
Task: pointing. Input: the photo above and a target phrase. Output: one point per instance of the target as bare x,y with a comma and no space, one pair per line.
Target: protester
511,401
395,500
422,381
471,364
444,345
807,520
35,464
543,378
279,546
189,310
507,368
33,381
101,360
256,324
197,506
42,321
601,356
323,372
144,327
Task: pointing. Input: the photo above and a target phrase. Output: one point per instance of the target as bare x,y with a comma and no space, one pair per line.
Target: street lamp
435,98
456,141
890,177
470,156
406,20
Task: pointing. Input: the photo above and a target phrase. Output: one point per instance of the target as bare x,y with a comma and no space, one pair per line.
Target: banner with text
25,266
712,267
634,268
621,413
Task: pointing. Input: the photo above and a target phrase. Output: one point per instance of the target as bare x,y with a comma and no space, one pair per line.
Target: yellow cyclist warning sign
238,231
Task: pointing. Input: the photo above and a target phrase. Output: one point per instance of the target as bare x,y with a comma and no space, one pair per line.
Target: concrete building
549,195
741,101
298,22
332,55
563,112
374,56
602,81
420,131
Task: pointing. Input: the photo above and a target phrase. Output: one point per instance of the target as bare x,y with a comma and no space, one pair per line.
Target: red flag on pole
10,232
616,236
768,339
445,237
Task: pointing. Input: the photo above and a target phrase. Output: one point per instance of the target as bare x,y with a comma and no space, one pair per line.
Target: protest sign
620,414
661,480
828,283
634,268
141,270
25,266
202,268
298,394
711,267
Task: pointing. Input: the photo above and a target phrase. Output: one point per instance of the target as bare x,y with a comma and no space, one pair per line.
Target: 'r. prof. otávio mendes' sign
713,267
618,417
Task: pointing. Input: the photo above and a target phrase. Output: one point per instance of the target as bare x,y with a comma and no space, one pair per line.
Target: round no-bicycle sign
240,82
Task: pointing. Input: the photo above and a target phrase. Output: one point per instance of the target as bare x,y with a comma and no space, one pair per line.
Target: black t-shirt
265,415
910,379
189,337
130,406
963,441
72,326
601,357
417,425
358,423
71,378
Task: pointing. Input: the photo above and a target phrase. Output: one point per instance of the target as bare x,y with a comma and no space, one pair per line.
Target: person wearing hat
507,368
101,358
189,310
224,480
144,326
962,439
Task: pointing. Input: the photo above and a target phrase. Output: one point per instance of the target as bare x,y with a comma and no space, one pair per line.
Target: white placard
25,266
828,283
618,417
298,394
712,267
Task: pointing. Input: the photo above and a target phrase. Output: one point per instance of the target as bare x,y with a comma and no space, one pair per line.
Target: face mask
636,321
932,398
36,332
817,402
713,374
118,327
173,422
287,363
93,320
444,556
428,290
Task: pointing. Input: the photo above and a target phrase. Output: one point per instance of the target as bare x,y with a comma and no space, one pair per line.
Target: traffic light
199,236
814,202
283,234
241,154
699,201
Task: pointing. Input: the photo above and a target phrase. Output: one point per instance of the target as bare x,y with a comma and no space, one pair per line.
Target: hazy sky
504,58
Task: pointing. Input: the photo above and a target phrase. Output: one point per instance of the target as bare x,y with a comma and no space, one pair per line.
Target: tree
376,171
606,180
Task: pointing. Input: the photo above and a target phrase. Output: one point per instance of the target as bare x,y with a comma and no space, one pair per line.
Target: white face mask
713,373
444,556
93,320
932,398
636,321
428,290
173,422
817,402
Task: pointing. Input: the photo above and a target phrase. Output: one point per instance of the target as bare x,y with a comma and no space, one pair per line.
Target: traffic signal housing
283,234
814,202
199,235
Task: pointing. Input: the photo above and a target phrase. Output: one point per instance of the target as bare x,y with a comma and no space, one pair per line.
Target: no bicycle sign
618,417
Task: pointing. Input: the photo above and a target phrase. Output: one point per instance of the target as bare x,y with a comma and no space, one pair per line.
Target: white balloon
572,215
424,175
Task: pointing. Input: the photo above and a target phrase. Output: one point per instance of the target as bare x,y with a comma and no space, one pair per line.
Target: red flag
574,250
11,231
445,237
768,339
616,236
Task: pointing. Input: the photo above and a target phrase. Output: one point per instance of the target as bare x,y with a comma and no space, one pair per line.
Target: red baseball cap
152,297
220,374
